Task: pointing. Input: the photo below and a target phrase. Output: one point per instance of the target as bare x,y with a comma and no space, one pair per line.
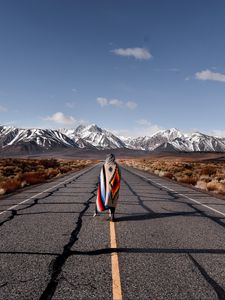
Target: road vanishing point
168,241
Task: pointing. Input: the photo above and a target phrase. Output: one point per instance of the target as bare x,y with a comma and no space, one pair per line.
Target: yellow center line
116,283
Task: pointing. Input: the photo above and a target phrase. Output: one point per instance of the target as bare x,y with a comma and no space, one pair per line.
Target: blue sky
132,66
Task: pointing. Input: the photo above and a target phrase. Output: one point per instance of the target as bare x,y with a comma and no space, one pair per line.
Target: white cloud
131,104
3,109
209,75
138,53
102,101
115,102
61,118
74,90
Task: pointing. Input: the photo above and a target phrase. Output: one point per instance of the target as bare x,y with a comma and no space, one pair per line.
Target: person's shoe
94,215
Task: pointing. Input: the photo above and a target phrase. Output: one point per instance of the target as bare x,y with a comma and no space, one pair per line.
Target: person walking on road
108,187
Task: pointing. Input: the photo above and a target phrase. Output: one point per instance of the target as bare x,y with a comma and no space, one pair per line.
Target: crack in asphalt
14,212
35,201
57,264
79,284
216,287
11,217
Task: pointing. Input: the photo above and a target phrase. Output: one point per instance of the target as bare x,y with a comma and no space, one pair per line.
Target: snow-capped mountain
174,140
7,134
34,140
95,136
150,143
92,137
199,142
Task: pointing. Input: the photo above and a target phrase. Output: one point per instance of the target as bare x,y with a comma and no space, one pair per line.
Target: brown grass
209,176
17,173
188,180
10,185
216,187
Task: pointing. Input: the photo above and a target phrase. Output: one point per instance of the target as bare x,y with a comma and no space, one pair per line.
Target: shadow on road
148,216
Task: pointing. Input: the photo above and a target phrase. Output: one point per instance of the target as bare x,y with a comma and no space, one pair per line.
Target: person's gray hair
110,158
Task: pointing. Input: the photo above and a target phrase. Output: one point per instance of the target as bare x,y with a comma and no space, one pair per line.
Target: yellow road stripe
116,284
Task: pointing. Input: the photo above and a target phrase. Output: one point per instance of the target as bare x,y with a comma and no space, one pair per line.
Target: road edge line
180,194
68,179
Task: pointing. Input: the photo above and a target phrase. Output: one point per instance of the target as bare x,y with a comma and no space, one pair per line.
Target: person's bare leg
96,212
112,213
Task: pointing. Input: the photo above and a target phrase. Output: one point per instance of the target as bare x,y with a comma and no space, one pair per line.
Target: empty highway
168,241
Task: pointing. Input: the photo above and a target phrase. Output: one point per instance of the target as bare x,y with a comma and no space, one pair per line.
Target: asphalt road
170,241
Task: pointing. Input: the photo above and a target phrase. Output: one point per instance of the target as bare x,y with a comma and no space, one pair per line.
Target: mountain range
91,137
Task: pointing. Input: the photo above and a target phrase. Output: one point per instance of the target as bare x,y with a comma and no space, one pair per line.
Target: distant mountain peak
93,137
93,128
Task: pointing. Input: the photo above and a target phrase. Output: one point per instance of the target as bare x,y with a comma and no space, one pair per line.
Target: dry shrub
8,171
17,173
208,170
188,166
49,163
146,168
168,175
2,191
64,169
52,173
34,177
205,178
222,189
188,173
10,185
216,187
188,180
203,175
220,177
213,186
201,185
